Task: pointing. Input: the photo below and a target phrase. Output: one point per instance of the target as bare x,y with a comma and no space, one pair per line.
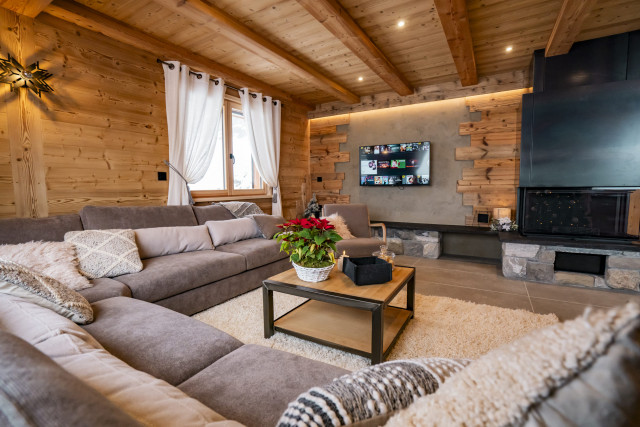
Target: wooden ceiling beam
30,8
568,25
455,23
338,21
232,29
90,19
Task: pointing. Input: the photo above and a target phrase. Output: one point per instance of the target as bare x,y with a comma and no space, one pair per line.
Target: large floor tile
563,309
475,295
450,264
488,282
578,295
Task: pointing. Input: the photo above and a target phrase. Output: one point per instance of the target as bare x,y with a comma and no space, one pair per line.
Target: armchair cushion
355,215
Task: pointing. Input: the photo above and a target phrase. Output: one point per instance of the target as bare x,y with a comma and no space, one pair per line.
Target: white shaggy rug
441,327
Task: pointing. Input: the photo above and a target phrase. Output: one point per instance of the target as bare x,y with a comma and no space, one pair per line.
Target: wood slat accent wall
104,132
495,151
325,153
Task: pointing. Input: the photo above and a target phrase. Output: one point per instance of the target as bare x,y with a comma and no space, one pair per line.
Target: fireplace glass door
575,212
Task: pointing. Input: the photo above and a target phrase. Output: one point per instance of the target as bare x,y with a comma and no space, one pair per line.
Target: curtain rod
171,67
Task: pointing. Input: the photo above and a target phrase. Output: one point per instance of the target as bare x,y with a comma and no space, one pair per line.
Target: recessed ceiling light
509,48
401,23
360,78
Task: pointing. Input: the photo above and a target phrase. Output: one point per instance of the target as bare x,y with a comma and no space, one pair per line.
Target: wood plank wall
492,182
325,153
104,132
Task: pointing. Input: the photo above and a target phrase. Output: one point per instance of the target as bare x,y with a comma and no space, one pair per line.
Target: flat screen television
395,164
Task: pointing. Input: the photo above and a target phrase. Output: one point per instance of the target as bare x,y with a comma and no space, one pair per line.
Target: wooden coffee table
339,314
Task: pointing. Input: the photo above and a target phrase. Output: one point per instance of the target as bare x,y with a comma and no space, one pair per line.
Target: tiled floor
484,283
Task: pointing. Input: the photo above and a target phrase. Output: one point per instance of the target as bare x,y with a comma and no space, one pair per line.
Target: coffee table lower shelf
341,327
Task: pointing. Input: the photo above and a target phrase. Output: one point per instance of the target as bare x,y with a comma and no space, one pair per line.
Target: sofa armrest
384,230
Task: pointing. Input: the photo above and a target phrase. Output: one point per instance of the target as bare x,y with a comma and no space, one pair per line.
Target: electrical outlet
319,179
162,176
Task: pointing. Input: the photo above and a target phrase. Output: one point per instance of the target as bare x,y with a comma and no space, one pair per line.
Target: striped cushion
375,392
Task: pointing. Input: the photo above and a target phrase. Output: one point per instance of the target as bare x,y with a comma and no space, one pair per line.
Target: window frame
231,103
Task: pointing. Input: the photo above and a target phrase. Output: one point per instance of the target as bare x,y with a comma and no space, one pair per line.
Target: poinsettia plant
309,242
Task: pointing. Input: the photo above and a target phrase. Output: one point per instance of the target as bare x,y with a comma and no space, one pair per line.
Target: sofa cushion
104,288
161,342
233,230
54,259
169,275
257,252
148,399
268,224
274,378
109,217
105,253
36,324
594,355
159,241
29,380
45,291
51,229
359,247
212,213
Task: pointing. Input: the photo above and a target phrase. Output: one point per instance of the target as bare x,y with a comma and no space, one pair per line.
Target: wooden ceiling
314,51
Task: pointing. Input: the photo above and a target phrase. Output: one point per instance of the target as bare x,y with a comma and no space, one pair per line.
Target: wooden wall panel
495,151
325,153
294,161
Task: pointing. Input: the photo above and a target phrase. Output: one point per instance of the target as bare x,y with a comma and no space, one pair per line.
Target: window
232,171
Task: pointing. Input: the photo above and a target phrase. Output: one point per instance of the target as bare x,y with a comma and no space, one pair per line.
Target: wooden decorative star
32,77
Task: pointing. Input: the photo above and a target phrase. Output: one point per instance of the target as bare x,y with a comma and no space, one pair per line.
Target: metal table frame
377,354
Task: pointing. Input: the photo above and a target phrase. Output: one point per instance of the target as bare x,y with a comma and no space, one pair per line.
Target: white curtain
262,116
194,117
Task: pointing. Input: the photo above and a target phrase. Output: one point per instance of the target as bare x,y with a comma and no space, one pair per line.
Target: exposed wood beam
232,29
25,126
568,24
455,22
30,8
337,20
90,19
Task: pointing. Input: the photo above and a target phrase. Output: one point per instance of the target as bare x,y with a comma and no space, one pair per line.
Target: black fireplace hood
580,144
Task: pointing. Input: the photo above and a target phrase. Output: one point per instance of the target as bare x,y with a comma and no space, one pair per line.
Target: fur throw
341,226
54,259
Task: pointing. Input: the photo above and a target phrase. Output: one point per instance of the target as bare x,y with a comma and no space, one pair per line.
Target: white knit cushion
341,226
105,253
20,281
503,386
54,259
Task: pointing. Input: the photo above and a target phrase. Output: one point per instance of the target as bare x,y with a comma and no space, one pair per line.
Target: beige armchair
356,216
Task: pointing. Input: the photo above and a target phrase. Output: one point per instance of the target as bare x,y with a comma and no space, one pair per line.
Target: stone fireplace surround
535,262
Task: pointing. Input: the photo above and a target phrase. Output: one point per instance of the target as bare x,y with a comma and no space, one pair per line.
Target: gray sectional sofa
141,320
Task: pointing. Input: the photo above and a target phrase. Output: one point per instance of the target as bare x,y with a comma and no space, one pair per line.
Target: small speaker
483,218
162,176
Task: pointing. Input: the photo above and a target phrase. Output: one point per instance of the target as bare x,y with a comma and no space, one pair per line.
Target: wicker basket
312,274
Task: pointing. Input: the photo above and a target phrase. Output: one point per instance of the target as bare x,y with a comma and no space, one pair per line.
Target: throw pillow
372,393
268,224
507,385
105,253
232,230
341,226
45,291
242,209
155,242
54,259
